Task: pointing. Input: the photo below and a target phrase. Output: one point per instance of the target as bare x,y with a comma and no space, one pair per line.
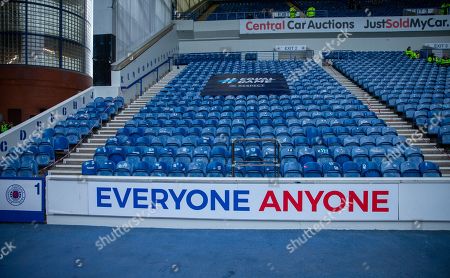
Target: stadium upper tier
328,8
322,130
417,89
363,8
242,10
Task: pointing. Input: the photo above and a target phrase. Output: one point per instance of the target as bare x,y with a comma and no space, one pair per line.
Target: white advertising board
345,25
245,201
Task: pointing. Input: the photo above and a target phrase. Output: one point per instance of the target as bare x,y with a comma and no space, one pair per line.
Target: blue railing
156,71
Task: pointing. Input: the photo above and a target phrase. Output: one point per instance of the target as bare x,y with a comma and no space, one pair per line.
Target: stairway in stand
72,164
429,149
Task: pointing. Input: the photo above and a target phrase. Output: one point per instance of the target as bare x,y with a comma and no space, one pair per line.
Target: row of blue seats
295,99
265,125
289,169
284,140
255,131
228,116
301,154
292,106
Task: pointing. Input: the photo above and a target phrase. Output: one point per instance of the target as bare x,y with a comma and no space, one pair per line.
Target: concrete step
68,167
97,140
85,150
81,155
436,157
64,172
432,151
110,132
100,136
118,125
72,161
442,163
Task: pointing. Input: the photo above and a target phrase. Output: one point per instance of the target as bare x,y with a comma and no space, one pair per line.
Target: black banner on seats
246,84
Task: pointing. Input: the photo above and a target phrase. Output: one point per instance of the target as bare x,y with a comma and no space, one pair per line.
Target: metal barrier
337,54
183,58
276,162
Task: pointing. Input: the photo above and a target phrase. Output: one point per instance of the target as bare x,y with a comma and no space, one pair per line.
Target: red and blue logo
15,195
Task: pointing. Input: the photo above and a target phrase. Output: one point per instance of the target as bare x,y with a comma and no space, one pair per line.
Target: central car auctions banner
245,201
246,84
345,24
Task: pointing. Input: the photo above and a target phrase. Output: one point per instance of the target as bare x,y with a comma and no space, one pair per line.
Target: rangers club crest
15,195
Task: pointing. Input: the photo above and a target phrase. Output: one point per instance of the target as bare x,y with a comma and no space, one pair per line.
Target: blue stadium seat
410,169
351,169
89,168
429,169
105,168
253,154
184,155
158,169
253,171
312,170
360,155
141,169
292,169
45,156
323,155
341,155
117,154
331,170
413,153
215,169
370,169
390,169
27,169
177,169
306,155
123,168
101,154
196,169
73,136
61,144
377,154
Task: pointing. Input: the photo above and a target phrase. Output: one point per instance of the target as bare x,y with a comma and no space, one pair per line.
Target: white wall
147,61
103,17
362,44
138,20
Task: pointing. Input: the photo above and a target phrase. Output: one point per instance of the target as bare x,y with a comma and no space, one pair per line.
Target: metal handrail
139,80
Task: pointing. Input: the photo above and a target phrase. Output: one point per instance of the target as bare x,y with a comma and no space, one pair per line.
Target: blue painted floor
71,251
